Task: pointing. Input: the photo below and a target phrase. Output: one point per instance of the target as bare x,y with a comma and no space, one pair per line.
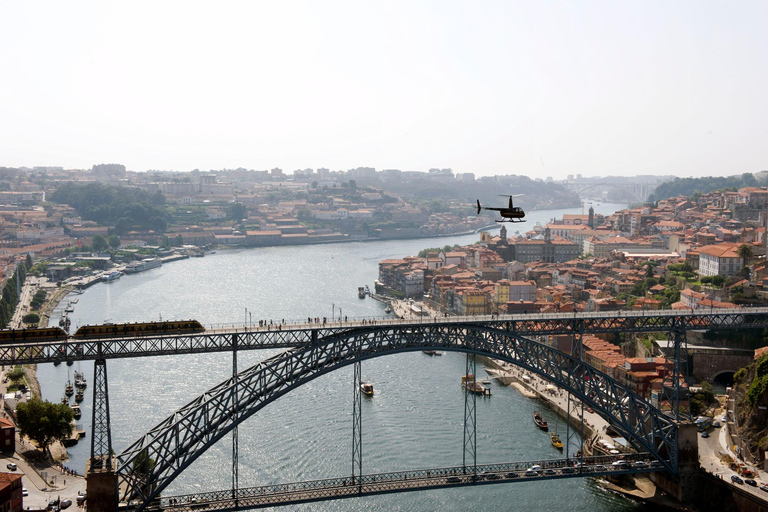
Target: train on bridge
110,330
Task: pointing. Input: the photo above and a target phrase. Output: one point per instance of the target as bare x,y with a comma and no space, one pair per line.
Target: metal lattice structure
469,454
182,437
357,423
101,439
298,335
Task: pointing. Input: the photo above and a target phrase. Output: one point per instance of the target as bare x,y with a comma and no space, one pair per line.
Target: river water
414,421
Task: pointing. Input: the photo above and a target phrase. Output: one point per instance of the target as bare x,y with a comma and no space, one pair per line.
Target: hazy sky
541,88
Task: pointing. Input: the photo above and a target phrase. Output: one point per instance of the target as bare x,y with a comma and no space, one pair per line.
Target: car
494,476
453,480
12,466
531,473
705,435
589,409
24,492
751,482
764,488
600,467
640,464
724,419
535,467
512,475
735,479
567,471
716,424
549,472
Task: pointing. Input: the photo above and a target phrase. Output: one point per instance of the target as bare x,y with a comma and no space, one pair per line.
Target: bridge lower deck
401,481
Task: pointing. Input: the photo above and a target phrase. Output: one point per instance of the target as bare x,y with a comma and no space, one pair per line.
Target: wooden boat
69,390
360,292
79,396
556,442
469,383
76,411
366,388
540,422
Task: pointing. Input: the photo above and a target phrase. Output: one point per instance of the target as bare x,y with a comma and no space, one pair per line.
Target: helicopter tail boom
479,207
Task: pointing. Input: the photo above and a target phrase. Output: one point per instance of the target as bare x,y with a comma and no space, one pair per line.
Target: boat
432,352
540,422
361,292
79,396
556,442
469,383
69,309
69,390
108,277
388,309
141,266
366,388
76,411
80,382
65,400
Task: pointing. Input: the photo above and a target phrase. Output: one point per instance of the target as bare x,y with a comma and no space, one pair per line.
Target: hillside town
683,253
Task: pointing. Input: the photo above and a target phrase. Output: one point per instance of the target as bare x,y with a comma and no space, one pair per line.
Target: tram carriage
32,335
138,329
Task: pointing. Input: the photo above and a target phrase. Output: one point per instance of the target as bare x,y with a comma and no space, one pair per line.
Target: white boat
141,266
110,276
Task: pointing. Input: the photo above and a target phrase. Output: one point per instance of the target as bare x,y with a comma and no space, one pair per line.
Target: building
11,499
719,260
7,436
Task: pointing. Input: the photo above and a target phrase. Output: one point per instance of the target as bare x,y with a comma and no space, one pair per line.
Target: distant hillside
689,186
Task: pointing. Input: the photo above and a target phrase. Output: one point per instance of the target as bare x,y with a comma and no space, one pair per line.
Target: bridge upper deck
294,334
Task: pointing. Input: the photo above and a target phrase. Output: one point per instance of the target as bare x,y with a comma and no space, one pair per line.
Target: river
414,421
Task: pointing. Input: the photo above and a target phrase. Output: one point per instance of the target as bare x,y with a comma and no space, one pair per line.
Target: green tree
113,241
16,375
30,262
745,252
99,243
238,212
43,421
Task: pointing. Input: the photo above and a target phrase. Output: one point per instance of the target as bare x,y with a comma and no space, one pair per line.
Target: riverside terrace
297,334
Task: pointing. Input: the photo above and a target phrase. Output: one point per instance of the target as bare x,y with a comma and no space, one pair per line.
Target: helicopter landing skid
510,220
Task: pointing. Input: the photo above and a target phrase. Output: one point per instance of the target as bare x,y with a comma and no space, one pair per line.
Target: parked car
735,479
764,488
716,424
12,466
24,492
705,435
751,482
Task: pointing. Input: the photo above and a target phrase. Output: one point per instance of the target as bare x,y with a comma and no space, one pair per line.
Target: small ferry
108,277
556,442
80,382
70,308
69,390
540,422
79,396
361,292
76,411
366,388
388,309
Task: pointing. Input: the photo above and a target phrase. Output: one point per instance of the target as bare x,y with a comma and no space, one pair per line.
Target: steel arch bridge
150,464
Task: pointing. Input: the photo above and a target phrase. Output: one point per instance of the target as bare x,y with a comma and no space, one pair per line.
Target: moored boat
79,396
540,422
76,411
366,388
361,292
469,383
432,352
556,442
388,309
69,390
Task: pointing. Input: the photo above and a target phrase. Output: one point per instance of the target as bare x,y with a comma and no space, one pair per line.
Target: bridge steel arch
150,464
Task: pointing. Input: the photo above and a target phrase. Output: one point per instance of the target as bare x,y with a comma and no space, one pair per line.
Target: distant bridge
640,191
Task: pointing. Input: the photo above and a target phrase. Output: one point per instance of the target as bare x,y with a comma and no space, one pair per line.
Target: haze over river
414,420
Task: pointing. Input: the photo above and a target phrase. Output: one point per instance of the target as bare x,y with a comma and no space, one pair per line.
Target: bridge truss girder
301,335
178,440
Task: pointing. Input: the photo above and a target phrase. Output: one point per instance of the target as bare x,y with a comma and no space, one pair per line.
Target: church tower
591,221
503,234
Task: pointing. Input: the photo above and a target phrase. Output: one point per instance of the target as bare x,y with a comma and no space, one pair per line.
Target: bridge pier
682,487
101,485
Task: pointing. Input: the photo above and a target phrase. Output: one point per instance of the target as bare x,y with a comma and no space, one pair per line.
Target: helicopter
510,214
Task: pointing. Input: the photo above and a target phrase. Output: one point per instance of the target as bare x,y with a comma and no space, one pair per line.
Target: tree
43,421
113,241
238,212
99,243
16,375
745,252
